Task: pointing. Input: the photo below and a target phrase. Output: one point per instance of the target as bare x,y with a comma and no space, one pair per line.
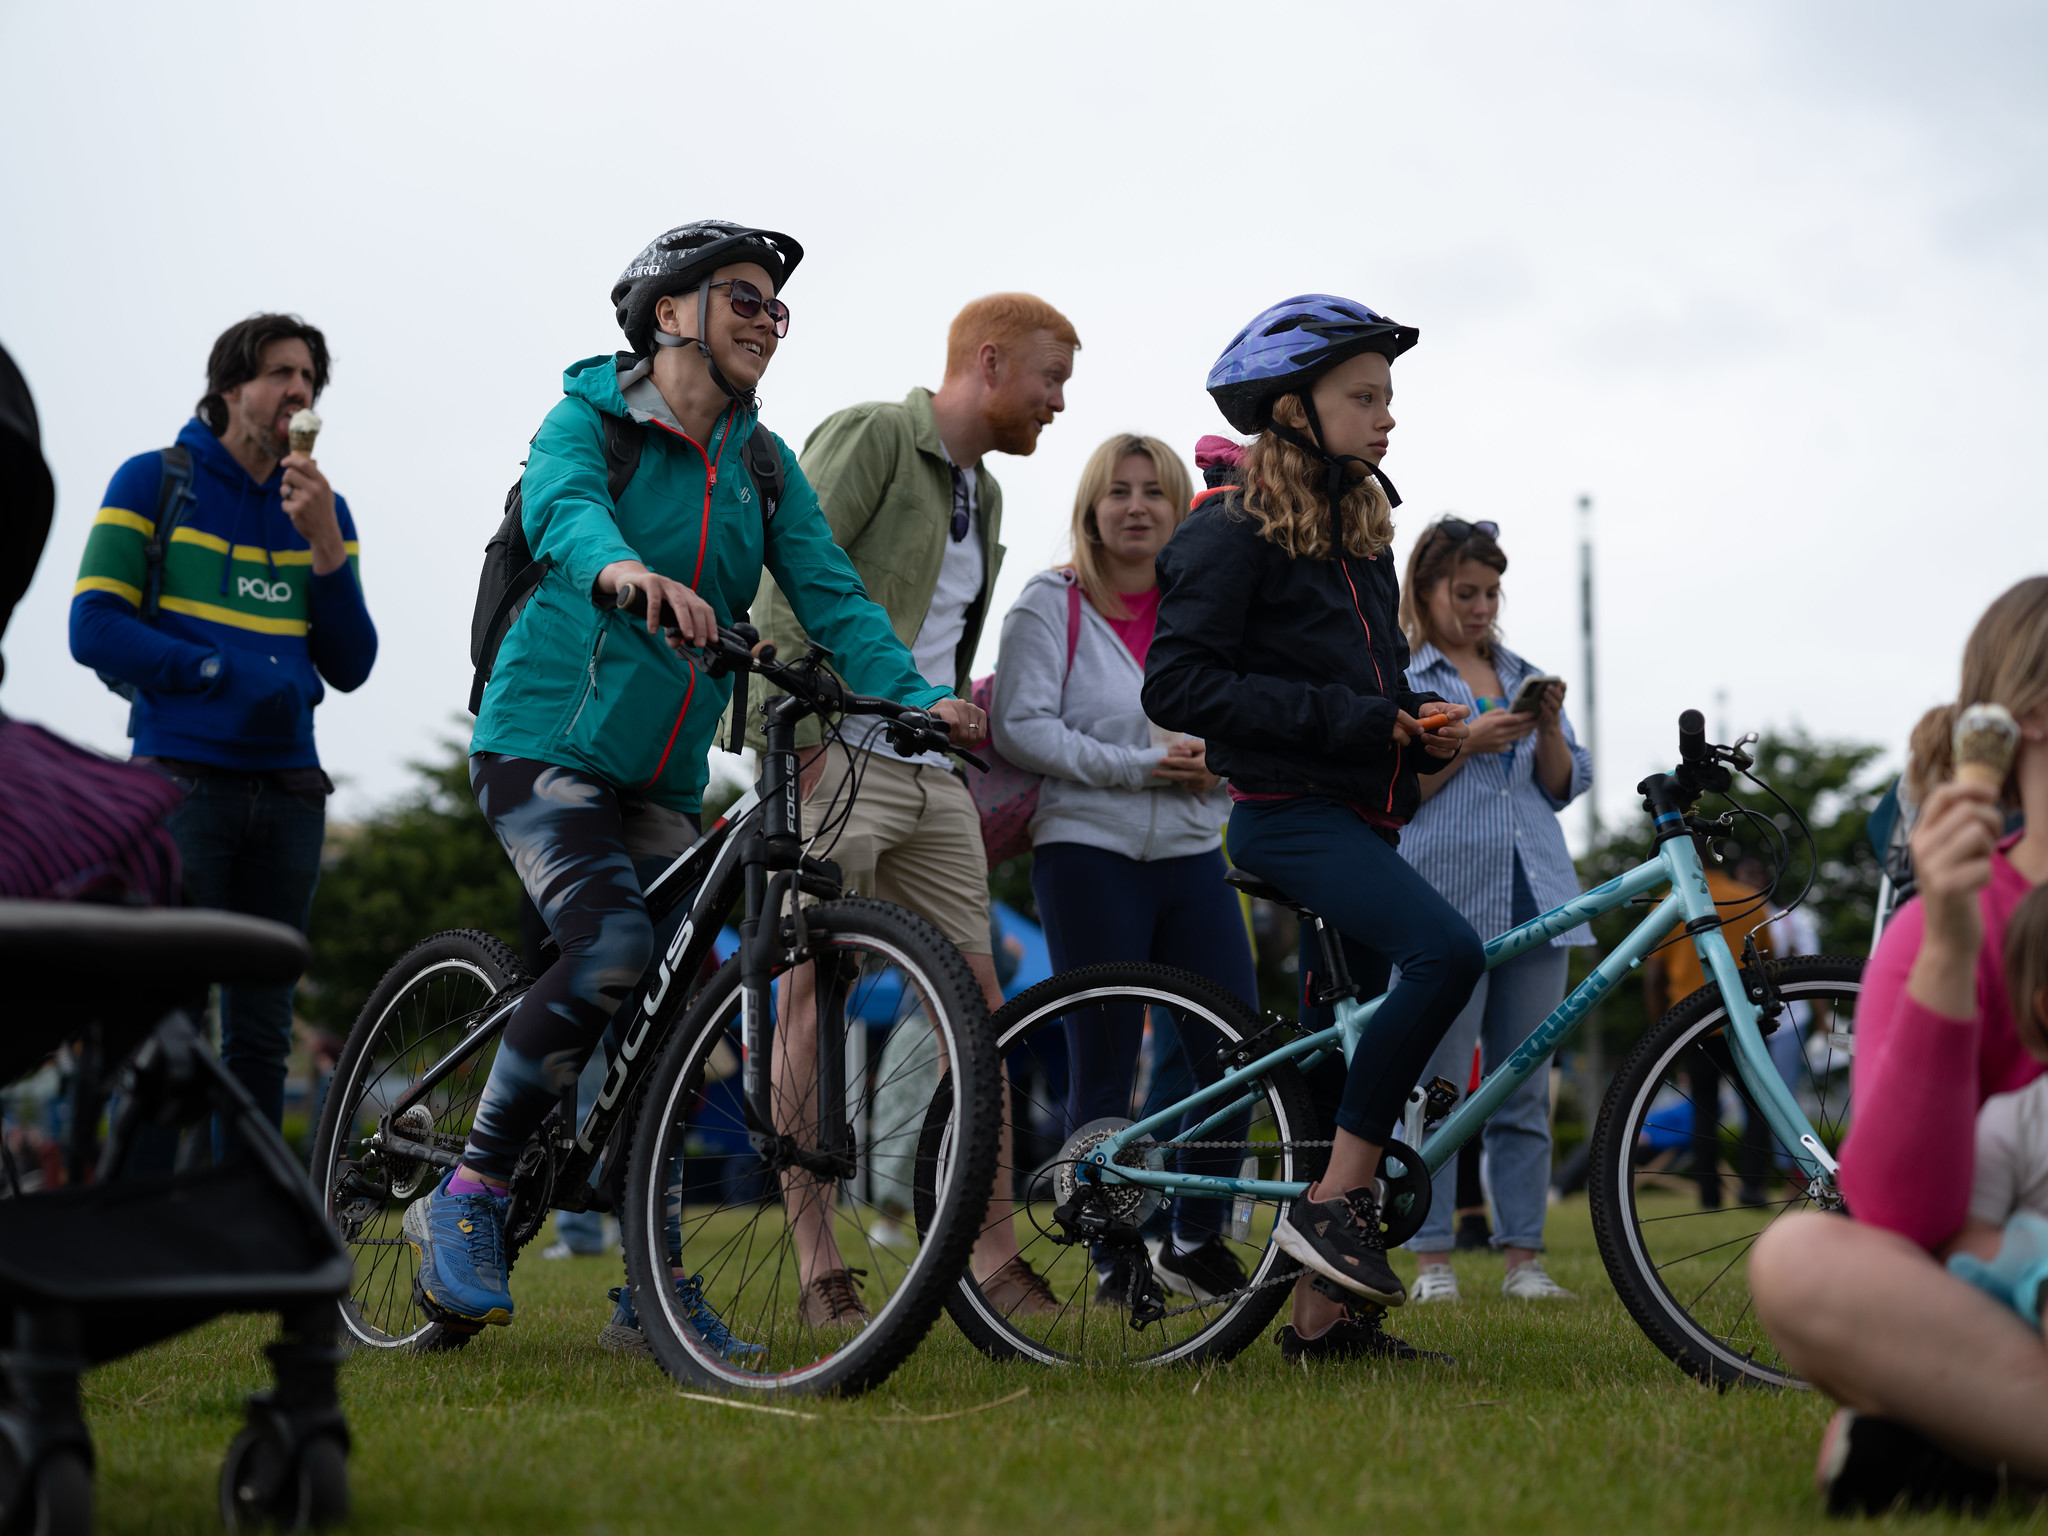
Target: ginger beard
1013,425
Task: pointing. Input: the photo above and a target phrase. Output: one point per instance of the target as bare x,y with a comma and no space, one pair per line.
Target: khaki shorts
913,837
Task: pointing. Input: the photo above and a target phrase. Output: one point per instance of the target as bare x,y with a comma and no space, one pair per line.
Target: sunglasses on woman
747,303
1457,530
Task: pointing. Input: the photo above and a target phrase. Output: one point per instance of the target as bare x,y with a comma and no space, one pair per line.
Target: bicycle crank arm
400,1146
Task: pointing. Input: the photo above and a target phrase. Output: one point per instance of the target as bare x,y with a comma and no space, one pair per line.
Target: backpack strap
1073,628
173,493
764,463
623,440
764,466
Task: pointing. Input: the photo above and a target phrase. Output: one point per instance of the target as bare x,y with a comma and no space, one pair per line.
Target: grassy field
1556,1417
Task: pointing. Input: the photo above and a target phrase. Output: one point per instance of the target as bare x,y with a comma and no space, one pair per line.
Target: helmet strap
1338,485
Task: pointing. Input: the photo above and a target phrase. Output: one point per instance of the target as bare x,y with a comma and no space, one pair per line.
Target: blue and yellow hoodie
232,668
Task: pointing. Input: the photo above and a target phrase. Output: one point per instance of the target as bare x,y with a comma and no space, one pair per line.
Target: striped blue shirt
1465,837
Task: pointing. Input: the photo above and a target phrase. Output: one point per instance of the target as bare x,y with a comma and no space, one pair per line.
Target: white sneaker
1434,1282
1529,1281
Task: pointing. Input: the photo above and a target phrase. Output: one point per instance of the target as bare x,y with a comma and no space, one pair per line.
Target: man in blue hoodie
222,642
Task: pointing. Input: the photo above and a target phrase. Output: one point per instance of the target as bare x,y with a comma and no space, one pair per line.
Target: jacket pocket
625,721
262,699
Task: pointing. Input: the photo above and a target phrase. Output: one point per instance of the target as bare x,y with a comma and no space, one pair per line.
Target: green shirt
886,488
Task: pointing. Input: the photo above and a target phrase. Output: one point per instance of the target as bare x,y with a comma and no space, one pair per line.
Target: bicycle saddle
168,948
126,967
1252,885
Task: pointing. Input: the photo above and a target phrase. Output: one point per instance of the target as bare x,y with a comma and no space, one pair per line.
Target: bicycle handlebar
740,647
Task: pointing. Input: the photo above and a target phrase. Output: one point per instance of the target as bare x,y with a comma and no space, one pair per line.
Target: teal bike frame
1689,903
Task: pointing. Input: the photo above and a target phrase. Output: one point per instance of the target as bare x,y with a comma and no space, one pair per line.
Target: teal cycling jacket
588,688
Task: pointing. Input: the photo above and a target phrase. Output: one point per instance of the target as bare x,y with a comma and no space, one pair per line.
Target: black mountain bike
743,1160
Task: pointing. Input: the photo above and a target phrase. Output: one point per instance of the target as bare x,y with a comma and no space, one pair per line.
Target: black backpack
511,573
174,495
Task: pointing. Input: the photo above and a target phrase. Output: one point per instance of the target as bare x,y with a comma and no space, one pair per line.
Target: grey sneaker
1342,1241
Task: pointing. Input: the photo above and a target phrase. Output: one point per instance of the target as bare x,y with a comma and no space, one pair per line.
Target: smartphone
1529,697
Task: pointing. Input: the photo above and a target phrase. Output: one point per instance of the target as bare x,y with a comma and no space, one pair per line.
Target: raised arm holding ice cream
1864,1309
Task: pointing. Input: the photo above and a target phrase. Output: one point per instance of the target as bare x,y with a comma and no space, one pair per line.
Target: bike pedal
439,1314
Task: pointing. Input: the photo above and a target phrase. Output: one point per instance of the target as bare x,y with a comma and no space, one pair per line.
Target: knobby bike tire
468,969
1064,1340
721,1215
1683,1273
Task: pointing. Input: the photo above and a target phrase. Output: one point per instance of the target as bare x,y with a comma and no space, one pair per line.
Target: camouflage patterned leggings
568,836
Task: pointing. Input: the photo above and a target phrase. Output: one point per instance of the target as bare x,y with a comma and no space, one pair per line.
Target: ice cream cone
304,430
1986,738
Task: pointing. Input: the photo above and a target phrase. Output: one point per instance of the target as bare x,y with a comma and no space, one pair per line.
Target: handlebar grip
1692,735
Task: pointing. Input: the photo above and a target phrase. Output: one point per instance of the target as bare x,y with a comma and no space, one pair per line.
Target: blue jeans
1507,1004
249,846
1325,857
1098,907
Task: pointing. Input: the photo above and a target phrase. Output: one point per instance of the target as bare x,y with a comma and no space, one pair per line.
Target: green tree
1830,785
422,865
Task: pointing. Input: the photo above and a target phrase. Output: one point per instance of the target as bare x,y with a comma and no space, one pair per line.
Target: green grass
1557,1417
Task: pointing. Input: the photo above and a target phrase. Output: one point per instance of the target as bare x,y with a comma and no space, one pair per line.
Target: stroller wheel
263,1485
63,1496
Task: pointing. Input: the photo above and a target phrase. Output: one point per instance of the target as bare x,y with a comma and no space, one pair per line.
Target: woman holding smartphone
1487,837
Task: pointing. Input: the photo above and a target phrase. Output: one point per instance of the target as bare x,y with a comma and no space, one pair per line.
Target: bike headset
687,257
1286,349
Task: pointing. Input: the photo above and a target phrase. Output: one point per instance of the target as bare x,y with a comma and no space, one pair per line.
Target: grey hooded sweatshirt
1086,732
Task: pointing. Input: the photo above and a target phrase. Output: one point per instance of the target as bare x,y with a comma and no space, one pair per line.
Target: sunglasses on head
747,303
1457,530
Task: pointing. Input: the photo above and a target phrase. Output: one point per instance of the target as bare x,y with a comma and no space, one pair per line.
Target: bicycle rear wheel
1271,1141
1686,1174
423,1008
725,1248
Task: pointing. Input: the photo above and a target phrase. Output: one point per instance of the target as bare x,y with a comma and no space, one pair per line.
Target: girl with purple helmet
1279,643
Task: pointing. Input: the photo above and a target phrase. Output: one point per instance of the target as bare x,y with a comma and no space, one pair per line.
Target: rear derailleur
1087,1219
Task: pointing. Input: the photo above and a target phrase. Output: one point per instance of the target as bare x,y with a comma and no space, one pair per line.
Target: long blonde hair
1096,478
2005,661
1284,491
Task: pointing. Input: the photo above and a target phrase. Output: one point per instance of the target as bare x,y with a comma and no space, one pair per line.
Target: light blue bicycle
1750,1071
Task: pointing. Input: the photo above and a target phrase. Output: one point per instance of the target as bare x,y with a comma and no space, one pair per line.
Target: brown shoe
833,1300
1018,1290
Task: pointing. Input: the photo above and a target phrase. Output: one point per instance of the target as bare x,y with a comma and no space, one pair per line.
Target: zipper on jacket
1378,677
590,682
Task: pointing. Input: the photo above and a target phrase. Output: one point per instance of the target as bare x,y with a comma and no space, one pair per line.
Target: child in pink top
1941,1376
1918,1069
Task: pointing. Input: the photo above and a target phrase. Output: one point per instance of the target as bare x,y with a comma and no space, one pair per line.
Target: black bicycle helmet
684,258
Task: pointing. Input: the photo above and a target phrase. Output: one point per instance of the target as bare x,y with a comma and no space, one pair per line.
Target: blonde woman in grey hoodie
1127,841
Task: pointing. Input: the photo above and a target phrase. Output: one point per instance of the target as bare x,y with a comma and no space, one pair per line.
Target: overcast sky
1765,280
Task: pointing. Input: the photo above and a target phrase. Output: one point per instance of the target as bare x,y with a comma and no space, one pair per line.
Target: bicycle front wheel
1193,1030
1686,1172
757,1273
425,1006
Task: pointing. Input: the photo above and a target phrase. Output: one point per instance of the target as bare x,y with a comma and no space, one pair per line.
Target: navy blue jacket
1291,670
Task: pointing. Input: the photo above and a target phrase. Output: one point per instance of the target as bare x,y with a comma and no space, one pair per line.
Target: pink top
1136,631
1919,1077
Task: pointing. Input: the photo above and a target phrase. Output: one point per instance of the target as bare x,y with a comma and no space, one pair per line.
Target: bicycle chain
1229,1298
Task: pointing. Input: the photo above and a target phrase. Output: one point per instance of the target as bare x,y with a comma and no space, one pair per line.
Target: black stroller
108,1265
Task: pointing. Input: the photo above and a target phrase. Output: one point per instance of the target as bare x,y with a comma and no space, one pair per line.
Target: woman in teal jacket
591,744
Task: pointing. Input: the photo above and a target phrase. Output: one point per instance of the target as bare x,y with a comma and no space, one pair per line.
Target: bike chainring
533,1186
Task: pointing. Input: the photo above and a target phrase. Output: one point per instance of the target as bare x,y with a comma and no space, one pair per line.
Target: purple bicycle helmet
1284,350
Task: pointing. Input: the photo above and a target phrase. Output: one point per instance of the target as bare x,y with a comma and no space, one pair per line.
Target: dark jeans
1099,906
1322,855
250,846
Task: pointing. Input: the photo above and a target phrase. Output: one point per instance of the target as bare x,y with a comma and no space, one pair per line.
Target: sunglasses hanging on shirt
959,524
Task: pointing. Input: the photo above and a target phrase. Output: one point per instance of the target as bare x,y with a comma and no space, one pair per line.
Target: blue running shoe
461,1243
624,1332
